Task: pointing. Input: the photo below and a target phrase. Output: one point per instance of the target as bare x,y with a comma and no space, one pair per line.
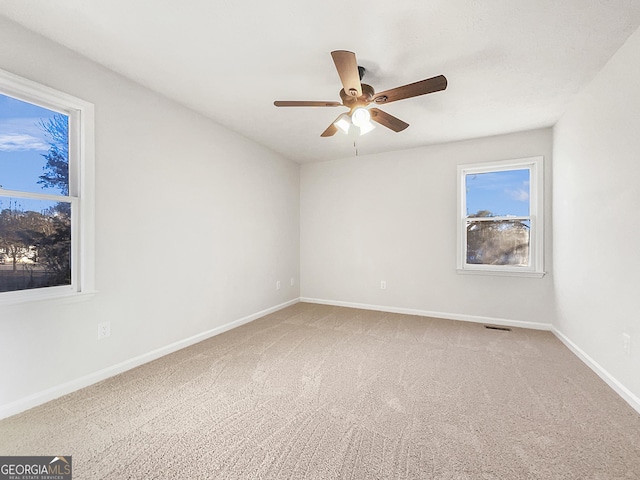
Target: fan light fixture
343,122
360,117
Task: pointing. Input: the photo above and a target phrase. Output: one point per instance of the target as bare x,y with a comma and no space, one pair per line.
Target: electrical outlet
383,284
626,344
278,285
104,330
293,282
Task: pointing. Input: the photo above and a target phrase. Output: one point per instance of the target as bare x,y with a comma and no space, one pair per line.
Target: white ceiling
511,64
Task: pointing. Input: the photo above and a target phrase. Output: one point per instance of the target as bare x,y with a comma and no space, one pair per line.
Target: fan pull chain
355,147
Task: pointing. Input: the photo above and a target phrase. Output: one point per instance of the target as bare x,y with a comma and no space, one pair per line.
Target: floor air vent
494,327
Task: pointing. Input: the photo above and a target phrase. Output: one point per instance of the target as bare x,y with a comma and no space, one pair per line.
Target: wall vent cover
495,327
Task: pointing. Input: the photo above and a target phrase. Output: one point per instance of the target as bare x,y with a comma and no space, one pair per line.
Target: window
46,192
500,224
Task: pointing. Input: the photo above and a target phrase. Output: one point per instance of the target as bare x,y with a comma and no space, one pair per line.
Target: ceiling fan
357,97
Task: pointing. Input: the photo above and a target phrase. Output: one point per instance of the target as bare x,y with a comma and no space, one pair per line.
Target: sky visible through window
503,193
23,143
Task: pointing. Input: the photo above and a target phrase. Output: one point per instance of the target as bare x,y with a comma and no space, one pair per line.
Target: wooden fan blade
330,131
389,121
287,103
347,67
422,87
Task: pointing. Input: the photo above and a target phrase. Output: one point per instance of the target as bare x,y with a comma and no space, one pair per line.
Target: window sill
66,298
500,273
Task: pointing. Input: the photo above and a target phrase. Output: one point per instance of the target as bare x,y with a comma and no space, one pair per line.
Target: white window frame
81,186
535,165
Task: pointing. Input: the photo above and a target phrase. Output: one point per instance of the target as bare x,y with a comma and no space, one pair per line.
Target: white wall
392,217
194,225
597,217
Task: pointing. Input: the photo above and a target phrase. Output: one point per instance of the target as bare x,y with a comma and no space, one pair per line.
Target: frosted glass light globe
360,117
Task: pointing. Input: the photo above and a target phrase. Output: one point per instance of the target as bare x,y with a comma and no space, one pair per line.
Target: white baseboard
425,313
95,377
618,387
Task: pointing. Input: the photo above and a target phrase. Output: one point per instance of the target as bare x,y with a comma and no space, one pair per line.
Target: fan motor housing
363,100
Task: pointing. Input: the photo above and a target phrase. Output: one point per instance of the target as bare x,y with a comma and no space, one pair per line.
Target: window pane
504,193
35,244
498,242
34,148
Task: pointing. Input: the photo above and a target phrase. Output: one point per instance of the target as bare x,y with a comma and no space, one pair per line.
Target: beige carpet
323,392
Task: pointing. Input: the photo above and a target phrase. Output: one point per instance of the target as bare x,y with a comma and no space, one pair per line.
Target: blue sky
22,144
502,193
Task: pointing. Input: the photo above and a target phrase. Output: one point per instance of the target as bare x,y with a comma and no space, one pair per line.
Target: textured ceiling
511,64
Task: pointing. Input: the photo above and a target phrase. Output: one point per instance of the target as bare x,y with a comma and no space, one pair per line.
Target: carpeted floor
323,392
